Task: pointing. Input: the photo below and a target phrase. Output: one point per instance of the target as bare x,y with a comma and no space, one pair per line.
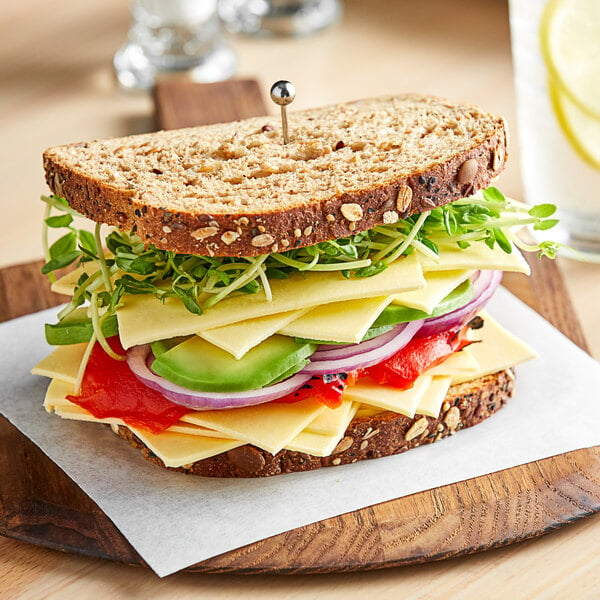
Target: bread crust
255,232
385,434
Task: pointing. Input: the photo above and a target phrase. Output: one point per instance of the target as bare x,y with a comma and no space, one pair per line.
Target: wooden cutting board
40,504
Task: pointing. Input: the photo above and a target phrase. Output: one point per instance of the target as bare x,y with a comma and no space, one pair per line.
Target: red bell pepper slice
402,369
110,389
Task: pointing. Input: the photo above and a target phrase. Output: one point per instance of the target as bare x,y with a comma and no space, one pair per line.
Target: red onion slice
136,359
402,334
484,287
347,350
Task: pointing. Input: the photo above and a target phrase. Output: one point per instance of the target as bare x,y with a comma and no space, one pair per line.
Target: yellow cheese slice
338,321
56,394
439,285
178,449
318,438
499,350
269,426
66,284
62,363
239,338
459,363
477,256
329,421
431,402
405,402
366,411
144,319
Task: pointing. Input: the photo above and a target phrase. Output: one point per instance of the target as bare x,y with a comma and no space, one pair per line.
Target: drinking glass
279,17
556,54
174,36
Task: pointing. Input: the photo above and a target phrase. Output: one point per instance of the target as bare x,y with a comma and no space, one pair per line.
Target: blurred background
58,85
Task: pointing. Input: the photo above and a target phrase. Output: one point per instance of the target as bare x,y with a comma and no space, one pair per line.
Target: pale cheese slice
144,319
62,363
405,402
343,322
477,256
67,283
431,402
239,338
439,285
459,363
500,350
322,441
329,421
269,426
56,394
178,449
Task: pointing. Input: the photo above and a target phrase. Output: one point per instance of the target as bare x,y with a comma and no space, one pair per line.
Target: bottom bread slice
384,434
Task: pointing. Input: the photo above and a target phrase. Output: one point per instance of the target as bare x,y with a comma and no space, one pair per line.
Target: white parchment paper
174,520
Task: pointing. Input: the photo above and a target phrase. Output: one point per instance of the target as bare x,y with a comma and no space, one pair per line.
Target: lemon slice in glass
570,40
582,131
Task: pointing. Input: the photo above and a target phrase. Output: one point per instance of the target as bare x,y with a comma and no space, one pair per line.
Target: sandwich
246,308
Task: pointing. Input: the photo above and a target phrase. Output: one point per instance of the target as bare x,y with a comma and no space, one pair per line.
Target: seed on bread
204,232
451,418
416,429
352,211
263,239
390,217
467,171
343,445
229,237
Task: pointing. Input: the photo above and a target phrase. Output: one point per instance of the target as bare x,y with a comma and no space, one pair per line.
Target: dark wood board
40,504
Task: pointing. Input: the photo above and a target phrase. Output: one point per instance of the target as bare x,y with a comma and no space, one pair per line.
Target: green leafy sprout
127,265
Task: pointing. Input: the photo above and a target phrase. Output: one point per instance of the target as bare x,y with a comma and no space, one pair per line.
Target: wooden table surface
56,86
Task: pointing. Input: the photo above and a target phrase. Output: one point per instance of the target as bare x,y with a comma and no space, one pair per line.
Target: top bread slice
234,189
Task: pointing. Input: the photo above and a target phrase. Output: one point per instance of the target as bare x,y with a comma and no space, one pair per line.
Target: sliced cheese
56,394
329,421
178,449
62,363
338,321
320,438
144,319
477,256
405,402
239,338
269,426
431,402
459,363
439,285
67,283
499,350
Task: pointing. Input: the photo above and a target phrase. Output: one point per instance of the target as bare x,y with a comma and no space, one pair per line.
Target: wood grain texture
181,104
40,504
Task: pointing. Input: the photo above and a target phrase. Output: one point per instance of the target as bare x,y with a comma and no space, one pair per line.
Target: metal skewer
283,93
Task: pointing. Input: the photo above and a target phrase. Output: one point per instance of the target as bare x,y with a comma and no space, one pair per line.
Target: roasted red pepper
329,389
110,389
402,369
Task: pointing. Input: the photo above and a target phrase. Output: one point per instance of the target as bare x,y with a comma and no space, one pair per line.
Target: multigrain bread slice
387,433
234,189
